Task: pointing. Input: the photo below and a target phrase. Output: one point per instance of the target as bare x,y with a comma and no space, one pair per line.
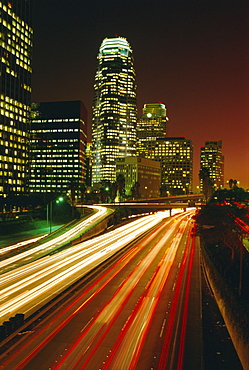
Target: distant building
15,95
150,126
211,157
58,141
142,176
88,161
114,108
176,157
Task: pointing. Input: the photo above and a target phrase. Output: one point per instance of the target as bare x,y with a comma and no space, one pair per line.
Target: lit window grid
211,157
56,157
176,159
110,88
16,50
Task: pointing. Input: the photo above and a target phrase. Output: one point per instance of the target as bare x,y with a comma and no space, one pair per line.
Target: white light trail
58,241
20,244
29,287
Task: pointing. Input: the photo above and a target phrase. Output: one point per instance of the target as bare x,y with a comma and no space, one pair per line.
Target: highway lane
128,347
42,249
100,326
115,314
174,339
16,246
27,288
242,224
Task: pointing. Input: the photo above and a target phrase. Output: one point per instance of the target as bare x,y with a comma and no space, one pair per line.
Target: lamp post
50,211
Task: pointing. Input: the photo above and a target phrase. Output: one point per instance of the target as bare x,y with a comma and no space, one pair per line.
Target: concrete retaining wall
234,328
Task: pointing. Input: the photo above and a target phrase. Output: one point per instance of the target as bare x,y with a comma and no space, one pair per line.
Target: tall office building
213,159
114,108
176,157
16,36
150,126
58,142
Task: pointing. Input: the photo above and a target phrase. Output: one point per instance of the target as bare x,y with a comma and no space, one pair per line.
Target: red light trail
113,318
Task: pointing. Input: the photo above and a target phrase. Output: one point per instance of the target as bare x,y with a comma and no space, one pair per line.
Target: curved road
135,315
27,288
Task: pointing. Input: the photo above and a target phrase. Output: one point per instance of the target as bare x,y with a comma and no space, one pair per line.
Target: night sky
193,56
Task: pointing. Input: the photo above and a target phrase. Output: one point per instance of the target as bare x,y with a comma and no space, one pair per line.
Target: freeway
15,247
134,315
42,249
27,288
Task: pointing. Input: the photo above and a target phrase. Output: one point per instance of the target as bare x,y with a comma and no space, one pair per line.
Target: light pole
50,211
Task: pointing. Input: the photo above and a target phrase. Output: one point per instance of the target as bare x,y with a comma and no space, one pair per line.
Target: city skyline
192,57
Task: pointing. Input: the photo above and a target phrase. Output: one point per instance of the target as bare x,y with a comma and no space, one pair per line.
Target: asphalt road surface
142,312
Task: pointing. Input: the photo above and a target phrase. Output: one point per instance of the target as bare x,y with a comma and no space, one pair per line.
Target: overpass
154,204
175,198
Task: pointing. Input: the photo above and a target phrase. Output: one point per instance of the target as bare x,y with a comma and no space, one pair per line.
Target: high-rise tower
16,36
212,159
58,142
176,157
151,126
114,108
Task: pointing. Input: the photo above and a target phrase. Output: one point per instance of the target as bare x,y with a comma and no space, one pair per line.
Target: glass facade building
58,142
114,108
16,38
211,158
176,157
150,126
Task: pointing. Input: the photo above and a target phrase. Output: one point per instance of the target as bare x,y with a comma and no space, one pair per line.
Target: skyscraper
150,126
213,160
114,108
58,142
15,83
176,157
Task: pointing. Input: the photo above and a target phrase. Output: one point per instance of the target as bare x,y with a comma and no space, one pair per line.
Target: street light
50,211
